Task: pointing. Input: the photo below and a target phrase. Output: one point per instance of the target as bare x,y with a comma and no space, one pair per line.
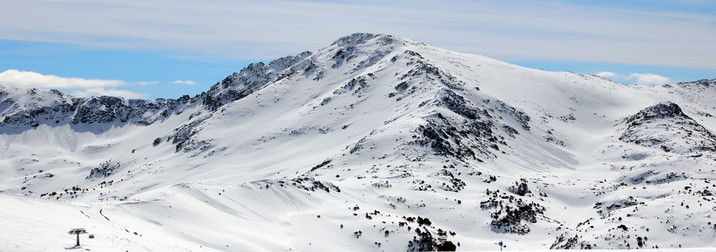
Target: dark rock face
444,137
522,118
430,73
182,136
306,183
21,119
103,109
56,107
351,47
343,55
356,39
667,127
356,86
459,105
104,170
467,133
23,111
658,111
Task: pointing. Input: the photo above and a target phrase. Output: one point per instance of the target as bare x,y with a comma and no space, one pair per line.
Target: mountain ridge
376,142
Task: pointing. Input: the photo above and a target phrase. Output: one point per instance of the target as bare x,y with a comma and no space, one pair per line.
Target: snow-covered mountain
373,143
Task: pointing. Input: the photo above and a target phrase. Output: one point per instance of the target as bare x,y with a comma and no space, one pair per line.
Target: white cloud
648,79
606,74
147,83
108,92
28,79
77,86
252,29
184,82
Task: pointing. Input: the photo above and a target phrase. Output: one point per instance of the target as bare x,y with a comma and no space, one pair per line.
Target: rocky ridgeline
252,78
702,82
234,87
52,107
21,110
26,109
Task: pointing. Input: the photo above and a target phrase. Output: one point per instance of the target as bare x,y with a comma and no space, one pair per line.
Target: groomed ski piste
374,143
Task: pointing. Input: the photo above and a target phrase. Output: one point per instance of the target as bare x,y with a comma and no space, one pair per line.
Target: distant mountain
375,142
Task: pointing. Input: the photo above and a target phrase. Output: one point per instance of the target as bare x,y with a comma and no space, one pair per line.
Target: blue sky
149,73
167,48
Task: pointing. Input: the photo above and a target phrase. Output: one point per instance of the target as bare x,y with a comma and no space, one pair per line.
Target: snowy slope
373,143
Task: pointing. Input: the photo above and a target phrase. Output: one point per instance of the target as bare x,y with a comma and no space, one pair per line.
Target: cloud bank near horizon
76,86
644,79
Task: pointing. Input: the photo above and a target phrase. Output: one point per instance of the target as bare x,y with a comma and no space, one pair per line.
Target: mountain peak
376,127
661,110
369,38
357,38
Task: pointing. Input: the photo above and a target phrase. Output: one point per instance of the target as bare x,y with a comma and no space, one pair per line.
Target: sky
168,48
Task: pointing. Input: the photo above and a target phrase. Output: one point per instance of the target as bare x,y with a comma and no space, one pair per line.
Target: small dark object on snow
444,244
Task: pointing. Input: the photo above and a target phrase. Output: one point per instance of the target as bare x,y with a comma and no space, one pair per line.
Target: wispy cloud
77,86
147,83
184,82
648,79
510,29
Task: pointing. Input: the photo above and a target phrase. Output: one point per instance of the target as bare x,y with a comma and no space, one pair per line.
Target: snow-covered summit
358,145
359,38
